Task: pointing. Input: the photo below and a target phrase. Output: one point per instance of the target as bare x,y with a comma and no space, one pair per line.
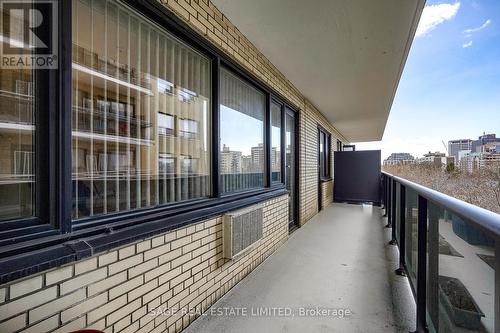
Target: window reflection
276,142
140,113
241,134
17,135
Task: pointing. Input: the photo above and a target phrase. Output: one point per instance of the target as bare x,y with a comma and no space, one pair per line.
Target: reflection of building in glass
275,159
258,158
140,120
16,144
230,161
235,162
17,134
246,163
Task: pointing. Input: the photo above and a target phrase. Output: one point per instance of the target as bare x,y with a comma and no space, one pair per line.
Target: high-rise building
454,146
485,139
275,159
230,160
257,154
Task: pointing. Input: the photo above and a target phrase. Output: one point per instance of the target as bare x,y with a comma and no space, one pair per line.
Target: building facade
454,146
142,139
485,139
399,158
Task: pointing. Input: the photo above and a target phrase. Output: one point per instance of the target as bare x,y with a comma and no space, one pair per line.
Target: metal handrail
481,217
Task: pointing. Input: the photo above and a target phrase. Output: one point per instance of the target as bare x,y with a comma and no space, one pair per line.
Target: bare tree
480,188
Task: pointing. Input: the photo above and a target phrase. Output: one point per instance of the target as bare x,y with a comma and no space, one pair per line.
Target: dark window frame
325,173
339,145
39,244
349,148
283,107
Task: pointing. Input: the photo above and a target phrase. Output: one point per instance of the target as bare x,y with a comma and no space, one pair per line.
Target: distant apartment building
257,154
431,157
471,155
230,161
399,158
455,146
478,145
475,161
275,159
437,159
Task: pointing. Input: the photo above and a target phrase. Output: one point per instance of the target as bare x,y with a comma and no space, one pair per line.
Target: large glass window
17,135
242,110
276,142
134,85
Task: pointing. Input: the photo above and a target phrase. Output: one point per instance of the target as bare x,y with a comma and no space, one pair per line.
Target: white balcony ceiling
345,56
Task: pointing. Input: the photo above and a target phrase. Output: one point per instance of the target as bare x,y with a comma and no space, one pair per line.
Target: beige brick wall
118,291
327,193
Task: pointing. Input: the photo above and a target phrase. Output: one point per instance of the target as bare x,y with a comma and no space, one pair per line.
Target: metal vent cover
241,230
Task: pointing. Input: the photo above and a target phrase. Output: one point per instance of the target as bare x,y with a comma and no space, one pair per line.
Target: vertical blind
141,113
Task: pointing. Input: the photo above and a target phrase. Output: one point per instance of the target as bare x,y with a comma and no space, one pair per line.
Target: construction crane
445,148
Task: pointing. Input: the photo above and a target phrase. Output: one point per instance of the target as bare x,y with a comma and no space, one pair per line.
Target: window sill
30,257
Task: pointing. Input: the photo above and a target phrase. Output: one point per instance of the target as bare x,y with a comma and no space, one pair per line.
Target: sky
450,87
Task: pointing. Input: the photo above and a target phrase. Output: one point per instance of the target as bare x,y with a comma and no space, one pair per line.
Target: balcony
344,260
339,260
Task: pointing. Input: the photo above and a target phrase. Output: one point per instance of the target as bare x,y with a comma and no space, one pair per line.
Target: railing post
386,179
402,225
422,265
389,203
435,213
385,193
394,213
497,285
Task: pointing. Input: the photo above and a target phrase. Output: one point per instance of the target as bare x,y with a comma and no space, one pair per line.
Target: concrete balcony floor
339,260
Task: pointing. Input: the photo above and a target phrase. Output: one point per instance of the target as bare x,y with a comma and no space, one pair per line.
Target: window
339,145
242,156
324,154
166,164
189,128
189,165
17,140
166,124
135,133
276,142
131,81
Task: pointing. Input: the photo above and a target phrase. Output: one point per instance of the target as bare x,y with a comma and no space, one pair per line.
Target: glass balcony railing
449,250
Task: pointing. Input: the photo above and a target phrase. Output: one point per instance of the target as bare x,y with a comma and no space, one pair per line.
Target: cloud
466,45
434,15
469,32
